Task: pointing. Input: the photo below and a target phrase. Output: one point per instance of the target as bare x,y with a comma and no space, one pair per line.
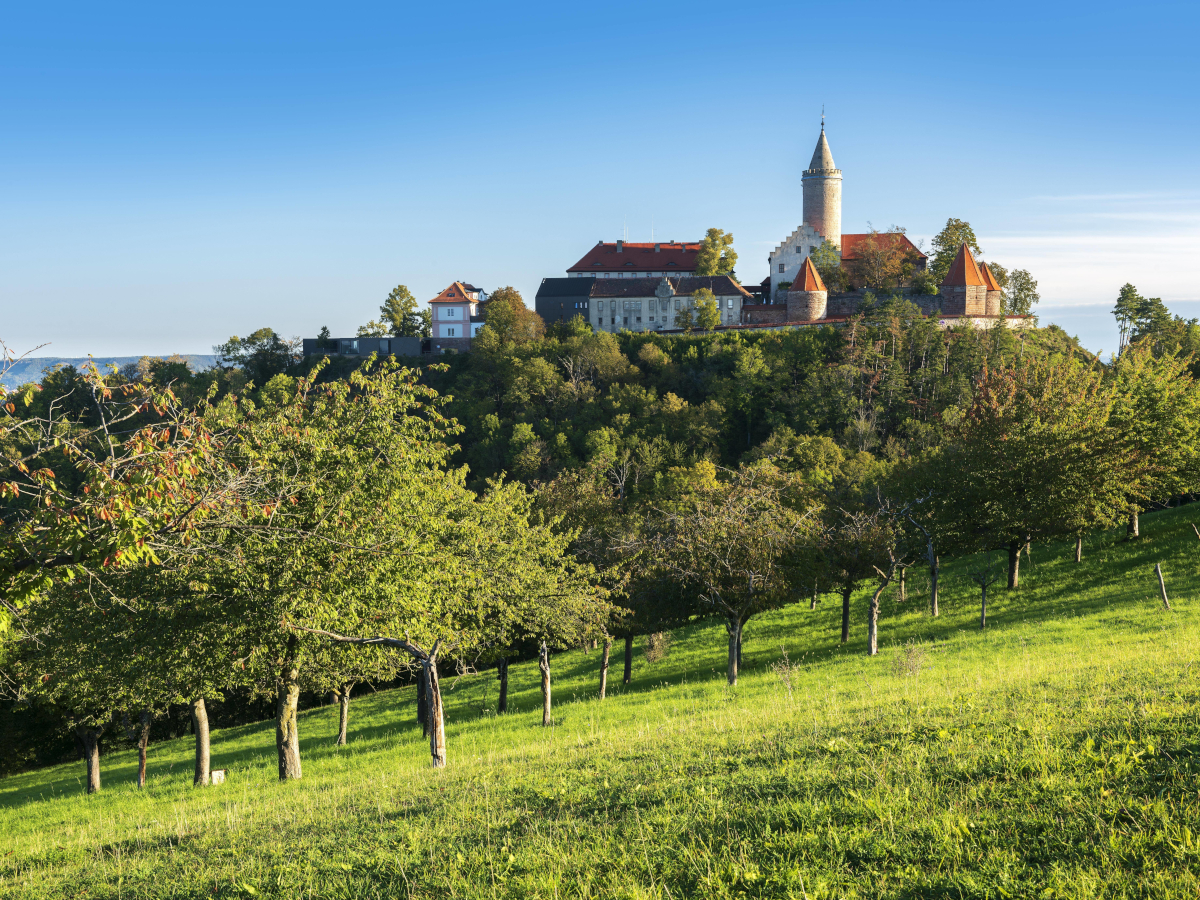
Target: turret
992,303
964,292
807,300
822,183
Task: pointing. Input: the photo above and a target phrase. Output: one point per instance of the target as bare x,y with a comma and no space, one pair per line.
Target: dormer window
671,263
629,264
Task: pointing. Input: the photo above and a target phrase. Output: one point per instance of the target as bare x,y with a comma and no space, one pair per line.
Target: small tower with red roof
964,292
807,299
994,293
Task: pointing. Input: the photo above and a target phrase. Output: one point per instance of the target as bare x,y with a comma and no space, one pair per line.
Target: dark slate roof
565,287
720,285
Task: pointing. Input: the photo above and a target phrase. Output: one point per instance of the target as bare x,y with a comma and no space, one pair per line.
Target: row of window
663,304
730,318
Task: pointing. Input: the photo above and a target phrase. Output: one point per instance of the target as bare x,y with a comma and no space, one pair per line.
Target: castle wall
993,303
764,313
965,301
806,306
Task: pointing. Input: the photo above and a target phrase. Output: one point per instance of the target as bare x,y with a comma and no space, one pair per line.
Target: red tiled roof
852,242
988,278
455,293
809,278
674,256
963,271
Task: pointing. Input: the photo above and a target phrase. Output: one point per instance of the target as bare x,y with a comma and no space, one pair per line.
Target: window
449,293
625,320
780,268
672,262
652,318
629,264
677,303
639,318
600,306
449,332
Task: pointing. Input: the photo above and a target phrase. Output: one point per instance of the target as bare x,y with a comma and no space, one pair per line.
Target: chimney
620,246
656,247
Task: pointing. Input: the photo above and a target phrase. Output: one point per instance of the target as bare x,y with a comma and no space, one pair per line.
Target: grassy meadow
1056,754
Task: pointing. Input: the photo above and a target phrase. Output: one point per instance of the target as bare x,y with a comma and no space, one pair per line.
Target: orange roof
809,279
456,293
852,242
988,278
671,256
963,271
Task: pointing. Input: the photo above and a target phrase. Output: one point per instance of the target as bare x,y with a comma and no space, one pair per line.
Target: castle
795,293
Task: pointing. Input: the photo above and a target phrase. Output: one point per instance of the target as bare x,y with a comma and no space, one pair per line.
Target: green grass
1054,755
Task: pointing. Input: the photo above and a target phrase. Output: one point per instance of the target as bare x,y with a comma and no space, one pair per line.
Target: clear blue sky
171,175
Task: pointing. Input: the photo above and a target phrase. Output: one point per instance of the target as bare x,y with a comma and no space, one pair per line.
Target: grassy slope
1056,754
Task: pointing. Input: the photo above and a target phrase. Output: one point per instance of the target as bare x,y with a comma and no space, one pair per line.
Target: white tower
822,182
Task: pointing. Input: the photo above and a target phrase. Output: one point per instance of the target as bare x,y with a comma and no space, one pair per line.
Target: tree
828,261
716,256
736,547
373,329
879,261
685,318
261,356
325,340
1126,311
510,320
1021,294
945,247
1157,410
708,317
1038,456
399,313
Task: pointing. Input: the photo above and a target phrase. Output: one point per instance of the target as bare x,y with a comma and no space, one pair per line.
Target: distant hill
31,369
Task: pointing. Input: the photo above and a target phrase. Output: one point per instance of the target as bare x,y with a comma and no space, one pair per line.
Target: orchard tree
1037,456
737,547
1157,411
716,256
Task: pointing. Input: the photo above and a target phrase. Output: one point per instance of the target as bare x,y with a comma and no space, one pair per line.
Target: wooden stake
1197,530
1162,585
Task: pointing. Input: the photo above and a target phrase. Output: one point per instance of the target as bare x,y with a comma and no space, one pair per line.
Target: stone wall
993,303
806,306
965,301
764,313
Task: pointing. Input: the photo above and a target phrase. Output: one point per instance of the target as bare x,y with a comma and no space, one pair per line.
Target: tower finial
822,116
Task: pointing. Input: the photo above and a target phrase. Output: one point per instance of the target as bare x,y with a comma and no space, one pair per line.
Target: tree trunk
846,591
873,620
734,627
287,705
203,747
142,743
437,721
1131,529
423,704
934,570
983,607
604,666
343,714
813,603
544,665
502,677
739,649
903,587
628,658
1079,548
1162,585
1014,564
89,738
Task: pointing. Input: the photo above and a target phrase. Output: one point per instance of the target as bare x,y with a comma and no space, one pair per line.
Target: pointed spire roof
988,278
822,158
808,278
963,271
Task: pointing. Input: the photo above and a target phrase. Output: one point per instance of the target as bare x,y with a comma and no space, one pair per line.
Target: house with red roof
456,317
